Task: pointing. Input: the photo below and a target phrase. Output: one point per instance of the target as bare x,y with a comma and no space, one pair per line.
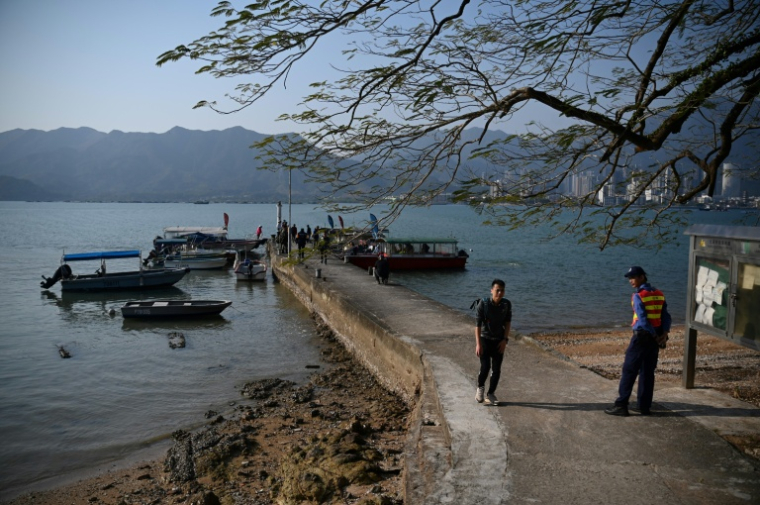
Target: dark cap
635,272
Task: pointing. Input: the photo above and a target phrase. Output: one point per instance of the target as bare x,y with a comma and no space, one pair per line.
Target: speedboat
249,269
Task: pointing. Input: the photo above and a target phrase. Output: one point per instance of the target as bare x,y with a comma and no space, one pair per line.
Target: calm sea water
124,388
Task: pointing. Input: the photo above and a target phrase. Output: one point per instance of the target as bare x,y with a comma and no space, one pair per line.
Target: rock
265,388
176,340
327,465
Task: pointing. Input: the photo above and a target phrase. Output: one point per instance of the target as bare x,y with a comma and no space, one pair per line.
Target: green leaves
414,102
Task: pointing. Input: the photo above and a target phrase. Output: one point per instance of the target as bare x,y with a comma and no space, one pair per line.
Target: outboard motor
63,272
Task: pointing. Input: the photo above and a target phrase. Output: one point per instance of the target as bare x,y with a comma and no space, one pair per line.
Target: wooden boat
102,280
248,269
410,254
174,308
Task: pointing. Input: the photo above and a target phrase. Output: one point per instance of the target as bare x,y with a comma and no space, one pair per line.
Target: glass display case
724,288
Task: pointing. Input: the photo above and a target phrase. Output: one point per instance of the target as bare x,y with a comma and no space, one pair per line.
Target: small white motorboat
174,308
248,269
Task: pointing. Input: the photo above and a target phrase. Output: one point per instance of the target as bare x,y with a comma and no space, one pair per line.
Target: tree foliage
649,97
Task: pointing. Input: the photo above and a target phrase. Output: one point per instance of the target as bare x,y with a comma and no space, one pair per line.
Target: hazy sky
72,63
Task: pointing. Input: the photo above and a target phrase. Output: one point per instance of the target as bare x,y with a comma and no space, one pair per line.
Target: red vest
653,301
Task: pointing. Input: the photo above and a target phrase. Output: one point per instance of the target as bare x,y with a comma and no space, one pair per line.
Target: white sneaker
491,399
479,395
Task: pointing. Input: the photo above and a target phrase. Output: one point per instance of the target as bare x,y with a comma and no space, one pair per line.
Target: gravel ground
720,365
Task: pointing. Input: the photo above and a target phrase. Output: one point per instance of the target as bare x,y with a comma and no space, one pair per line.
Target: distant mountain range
179,165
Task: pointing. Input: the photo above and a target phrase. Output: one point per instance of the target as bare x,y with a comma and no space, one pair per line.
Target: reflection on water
67,299
196,323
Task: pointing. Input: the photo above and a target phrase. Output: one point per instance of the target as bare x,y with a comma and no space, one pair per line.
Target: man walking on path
494,320
651,325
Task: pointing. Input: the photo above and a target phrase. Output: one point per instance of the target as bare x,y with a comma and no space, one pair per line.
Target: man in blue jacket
651,325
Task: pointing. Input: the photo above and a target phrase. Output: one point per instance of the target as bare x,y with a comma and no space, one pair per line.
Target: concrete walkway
549,442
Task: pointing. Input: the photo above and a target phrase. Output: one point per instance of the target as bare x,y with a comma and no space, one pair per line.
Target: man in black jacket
382,269
494,320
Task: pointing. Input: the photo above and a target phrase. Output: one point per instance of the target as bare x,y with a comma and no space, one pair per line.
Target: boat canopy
170,241
103,255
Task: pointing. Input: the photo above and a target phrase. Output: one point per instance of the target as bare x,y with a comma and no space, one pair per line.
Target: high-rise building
732,181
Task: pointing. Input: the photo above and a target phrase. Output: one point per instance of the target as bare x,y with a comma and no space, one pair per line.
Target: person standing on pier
493,323
301,238
382,269
651,325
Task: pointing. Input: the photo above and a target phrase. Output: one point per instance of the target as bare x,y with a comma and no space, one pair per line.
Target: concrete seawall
550,441
372,322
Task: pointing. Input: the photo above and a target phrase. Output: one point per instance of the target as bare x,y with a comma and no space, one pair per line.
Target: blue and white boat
102,280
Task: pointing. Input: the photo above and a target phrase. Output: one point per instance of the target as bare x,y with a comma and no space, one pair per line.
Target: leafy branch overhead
648,100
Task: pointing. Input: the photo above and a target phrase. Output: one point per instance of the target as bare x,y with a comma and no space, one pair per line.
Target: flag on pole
340,220
373,222
226,220
330,220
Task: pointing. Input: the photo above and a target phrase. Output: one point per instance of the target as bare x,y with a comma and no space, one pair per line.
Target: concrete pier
549,441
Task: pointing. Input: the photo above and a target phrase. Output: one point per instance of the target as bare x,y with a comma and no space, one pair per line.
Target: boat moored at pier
102,280
416,253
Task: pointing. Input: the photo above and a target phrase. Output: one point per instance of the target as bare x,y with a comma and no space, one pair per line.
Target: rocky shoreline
340,438
337,439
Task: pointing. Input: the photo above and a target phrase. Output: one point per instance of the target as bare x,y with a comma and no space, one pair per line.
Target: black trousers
490,360
640,361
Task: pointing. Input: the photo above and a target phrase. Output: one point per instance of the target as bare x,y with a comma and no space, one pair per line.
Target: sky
91,63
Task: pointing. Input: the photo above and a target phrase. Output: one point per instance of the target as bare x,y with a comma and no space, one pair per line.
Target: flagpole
290,219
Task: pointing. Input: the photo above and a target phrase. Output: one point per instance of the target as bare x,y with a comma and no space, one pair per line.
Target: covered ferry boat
102,280
410,253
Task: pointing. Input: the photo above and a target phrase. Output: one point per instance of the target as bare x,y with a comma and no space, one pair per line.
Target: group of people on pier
289,235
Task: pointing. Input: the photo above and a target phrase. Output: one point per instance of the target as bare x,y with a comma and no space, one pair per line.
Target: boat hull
255,271
196,263
136,280
174,308
257,274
